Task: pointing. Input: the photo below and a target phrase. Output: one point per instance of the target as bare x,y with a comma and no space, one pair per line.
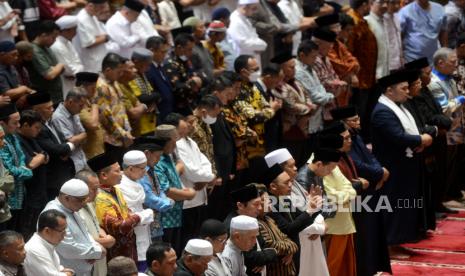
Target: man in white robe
91,37
65,52
134,163
119,27
242,33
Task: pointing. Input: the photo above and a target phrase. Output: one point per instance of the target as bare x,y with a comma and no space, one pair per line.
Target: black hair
306,47
7,237
183,39
155,42
49,219
355,4
156,252
241,62
345,20
173,119
208,102
30,117
270,71
112,61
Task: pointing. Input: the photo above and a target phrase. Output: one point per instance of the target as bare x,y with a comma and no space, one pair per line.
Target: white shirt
134,195
168,14
5,30
66,54
119,30
197,168
203,12
88,28
294,14
41,258
244,36
376,25
144,28
392,27
312,258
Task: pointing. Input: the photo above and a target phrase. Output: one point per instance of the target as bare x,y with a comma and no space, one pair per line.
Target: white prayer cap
67,22
244,223
75,187
199,247
277,157
134,157
247,2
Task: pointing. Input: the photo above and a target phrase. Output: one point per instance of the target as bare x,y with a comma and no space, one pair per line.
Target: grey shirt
233,260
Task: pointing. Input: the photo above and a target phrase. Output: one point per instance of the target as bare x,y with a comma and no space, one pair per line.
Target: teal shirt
14,161
169,178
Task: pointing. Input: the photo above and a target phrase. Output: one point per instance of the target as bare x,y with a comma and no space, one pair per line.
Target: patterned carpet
442,253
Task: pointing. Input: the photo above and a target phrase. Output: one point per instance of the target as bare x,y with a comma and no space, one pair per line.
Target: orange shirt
344,63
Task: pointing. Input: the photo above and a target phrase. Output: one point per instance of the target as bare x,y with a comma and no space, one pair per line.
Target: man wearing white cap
134,163
243,237
284,158
65,52
78,249
241,32
195,258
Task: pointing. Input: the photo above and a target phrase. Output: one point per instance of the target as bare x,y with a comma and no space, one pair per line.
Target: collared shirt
421,29
119,29
216,267
67,55
78,246
11,270
392,27
197,168
244,36
14,161
344,63
113,116
42,258
202,135
141,86
455,22
362,44
88,28
318,95
8,78
169,178
70,125
233,259
376,25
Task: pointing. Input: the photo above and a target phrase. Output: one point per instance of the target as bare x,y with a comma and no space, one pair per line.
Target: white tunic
197,168
6,30
294,14
376,25
87,29
203,12
144,28
168,14
134,195
312,258
66,54
119,30
41,258
244,36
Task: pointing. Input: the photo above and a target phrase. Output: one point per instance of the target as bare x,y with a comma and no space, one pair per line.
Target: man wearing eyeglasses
78,250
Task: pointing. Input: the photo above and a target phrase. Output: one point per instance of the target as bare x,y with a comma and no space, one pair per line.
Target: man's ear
155,265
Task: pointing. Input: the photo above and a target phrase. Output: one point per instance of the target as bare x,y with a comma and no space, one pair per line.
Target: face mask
209,120
183,58
254,76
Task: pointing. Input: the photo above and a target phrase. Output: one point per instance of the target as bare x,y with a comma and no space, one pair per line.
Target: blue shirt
155,199
420,30
169,178
14,161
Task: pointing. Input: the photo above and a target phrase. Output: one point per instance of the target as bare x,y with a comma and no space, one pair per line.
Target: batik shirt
141,86
202,135
14,161
179,72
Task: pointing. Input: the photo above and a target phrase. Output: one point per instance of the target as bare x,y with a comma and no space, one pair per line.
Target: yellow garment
107,206
93,145
147,122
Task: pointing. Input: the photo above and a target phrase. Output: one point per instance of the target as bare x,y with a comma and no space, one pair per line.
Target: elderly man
78,246
122,266
119,27
66,118
242,33
216,33
12,253
161,260
87,213
195,258
111,209
91,38
244,232
66,53
41,255
445,91
134,163
9,81
14,160
400,156
60,166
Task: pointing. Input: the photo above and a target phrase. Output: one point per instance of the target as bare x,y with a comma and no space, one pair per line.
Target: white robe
244,36
66,54
119,30
143,28
88,28
168,14
312,258
134,195
41,258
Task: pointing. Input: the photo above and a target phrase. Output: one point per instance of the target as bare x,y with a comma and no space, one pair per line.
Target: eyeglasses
58,231
221,240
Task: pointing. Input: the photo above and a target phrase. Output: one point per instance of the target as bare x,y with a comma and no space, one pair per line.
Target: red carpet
442,253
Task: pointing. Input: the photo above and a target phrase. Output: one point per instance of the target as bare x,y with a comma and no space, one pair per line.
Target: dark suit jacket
163,86
224,147
60,167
